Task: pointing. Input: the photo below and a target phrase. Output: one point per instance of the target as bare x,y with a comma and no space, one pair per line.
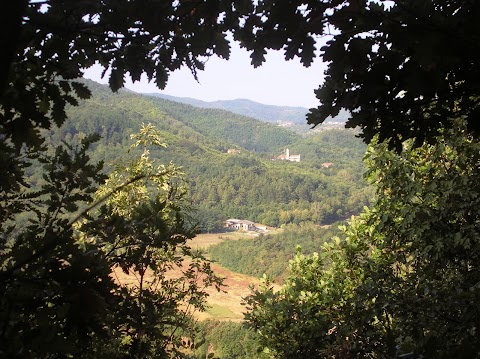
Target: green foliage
298,320
269,254
53,42
279,193
226,340
404,277
392,86
64,294
242,131
340,147
107,114
403,69
425,228
248,108
55,293
246,185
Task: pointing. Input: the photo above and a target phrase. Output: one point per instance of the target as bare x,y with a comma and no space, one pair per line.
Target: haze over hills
263,112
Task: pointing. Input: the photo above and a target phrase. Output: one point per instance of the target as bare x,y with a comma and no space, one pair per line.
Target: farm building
239,224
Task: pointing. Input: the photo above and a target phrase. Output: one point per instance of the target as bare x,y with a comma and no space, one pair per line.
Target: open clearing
224,305
228,305
205,240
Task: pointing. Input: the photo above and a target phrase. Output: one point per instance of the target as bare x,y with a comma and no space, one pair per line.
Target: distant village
296,158
288,157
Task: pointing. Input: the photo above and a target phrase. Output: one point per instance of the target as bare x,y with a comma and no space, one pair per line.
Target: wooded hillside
248,184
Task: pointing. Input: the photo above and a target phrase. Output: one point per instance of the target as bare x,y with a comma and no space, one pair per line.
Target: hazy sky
276,82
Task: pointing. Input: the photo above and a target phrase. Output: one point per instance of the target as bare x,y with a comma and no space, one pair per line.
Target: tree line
269,254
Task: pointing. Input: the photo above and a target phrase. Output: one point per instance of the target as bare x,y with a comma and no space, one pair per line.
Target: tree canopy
58,39
403,69
402,279
405,277
93,266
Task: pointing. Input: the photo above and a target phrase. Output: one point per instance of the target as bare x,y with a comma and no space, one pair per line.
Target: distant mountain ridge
249,108
182,125
256,110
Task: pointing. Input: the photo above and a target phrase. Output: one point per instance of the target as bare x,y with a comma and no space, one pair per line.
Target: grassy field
205,240
227,304
224,305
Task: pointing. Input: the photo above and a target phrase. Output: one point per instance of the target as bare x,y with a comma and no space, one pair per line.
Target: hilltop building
233,151
288,157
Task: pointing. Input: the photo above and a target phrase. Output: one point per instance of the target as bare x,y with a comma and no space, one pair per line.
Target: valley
300,184
136,225
221,305
229,173
244,183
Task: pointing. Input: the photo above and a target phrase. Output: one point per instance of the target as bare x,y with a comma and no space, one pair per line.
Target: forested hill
259,111
246,184
183,125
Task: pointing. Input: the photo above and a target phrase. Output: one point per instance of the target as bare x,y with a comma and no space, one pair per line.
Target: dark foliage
403,69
